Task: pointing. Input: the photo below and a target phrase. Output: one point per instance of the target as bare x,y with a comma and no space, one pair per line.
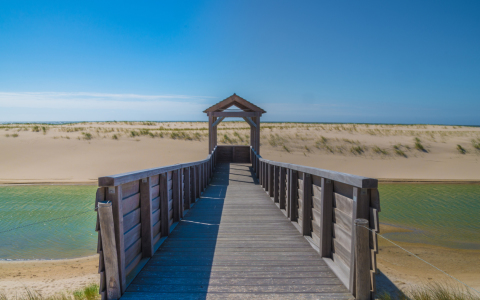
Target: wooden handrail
114,180
143,208
324,206
354,180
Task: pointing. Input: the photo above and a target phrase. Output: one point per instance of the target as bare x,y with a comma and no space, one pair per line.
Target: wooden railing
332,210
136,211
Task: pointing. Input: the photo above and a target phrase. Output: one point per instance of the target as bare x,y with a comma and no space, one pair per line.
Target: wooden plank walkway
235,244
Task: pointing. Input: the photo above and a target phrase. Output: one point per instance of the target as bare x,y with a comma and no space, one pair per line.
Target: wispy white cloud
97,100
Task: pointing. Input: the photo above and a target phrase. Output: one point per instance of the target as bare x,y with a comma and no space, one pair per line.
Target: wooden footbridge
237,226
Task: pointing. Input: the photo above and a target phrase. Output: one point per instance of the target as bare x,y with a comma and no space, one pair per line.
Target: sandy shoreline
398,269
48,277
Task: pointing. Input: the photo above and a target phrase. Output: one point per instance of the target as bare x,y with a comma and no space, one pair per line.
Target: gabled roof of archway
234,100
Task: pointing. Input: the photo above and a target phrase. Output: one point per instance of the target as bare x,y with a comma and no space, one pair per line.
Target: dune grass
461,149
89,292
434,291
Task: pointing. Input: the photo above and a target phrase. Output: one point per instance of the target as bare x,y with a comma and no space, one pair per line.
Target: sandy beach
48,277
80,153
398,269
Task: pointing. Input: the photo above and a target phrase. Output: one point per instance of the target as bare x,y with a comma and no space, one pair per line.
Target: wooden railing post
199,181
109,249
326,203
193,183
181,191
261,175
176,195
115,196
270,180
307,204
164,205
282,188
362,260
276,184
146,217
292,195
186,188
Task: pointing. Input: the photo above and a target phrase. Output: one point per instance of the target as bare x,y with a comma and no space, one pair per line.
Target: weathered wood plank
130,188
131,219
146,215
164,227
131,203
114,195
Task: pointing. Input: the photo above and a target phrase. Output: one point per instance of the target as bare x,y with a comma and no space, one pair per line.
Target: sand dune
83,152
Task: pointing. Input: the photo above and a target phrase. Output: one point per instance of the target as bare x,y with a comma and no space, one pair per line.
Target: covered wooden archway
248,111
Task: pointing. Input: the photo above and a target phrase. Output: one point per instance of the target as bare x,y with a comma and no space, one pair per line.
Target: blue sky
315,61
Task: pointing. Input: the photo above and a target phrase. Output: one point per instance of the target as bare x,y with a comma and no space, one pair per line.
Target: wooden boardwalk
235,244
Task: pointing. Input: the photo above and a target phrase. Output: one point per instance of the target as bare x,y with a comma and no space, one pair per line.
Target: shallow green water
63,238
445,215
440,214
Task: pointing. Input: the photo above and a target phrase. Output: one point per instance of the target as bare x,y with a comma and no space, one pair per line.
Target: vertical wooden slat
193,189
115,196
109,248
287,192
276,184
176,195
164,227
205,176
292,194
261,173
270,180
326,211
282,188
307,204
146,217
186,188
199,180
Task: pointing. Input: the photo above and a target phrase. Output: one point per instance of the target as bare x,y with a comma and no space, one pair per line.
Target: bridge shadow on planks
235,244
181,267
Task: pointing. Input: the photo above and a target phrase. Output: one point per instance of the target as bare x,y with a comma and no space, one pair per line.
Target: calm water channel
444,215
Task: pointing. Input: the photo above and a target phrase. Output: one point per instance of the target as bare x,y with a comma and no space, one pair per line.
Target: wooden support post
307,204
186,188
198,184
176,193
270,180
265,172
362,260
164,222
109,250
115,196
146,217
282,188
260,178
276,184
257,135
292,194
181,191
361,210
193,183
326,203
210,134
205,175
